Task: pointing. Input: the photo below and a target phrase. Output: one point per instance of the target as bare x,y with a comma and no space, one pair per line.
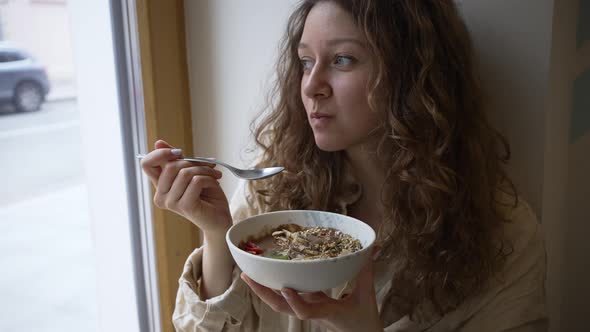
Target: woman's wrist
216,237
217,265
215,245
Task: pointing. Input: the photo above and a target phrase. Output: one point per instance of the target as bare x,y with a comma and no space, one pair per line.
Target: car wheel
28,97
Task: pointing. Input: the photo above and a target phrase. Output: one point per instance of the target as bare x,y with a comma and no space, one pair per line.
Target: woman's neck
371,176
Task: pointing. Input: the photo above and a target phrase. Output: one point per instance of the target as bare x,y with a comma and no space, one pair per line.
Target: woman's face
336,68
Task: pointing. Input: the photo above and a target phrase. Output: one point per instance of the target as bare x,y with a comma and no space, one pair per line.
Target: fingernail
285,294
176,152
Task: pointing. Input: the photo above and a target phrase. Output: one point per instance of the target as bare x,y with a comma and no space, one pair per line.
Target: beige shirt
516,304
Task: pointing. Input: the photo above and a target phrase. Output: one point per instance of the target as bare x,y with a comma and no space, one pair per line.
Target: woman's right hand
188,188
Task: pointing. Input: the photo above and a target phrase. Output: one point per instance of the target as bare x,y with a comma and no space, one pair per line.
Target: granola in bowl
294,242
305,250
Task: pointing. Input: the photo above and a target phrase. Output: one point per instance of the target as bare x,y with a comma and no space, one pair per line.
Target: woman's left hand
354,312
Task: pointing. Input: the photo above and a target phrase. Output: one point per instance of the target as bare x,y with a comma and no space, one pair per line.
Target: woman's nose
316,84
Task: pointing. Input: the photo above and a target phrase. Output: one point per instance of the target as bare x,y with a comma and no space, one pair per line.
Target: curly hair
445,177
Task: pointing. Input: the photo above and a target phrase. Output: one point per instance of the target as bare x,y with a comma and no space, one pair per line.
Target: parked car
23,81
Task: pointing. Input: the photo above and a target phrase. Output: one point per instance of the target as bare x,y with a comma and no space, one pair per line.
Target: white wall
524,48
529,61
231,52
513,40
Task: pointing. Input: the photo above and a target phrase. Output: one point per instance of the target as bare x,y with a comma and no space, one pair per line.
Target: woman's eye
306,64
343,60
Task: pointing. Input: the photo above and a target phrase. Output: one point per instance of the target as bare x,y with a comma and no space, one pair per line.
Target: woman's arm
218,265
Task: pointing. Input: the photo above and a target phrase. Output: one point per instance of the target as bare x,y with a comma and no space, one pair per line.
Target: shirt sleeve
191,313
234,310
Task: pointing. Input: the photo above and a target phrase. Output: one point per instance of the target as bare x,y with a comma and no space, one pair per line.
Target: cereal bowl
301,275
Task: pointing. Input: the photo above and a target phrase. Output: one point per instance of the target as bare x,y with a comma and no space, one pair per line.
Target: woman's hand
354,312
187,188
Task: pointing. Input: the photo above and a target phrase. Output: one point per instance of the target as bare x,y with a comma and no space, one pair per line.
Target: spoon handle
209,160
198,159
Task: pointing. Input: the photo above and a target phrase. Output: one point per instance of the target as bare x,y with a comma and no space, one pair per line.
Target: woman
377,114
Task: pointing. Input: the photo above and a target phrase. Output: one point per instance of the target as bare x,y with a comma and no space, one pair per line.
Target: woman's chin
329,146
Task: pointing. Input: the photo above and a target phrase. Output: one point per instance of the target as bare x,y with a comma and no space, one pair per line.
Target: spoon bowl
246,174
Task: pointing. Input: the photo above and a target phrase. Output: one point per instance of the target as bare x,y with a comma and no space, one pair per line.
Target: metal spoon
247,174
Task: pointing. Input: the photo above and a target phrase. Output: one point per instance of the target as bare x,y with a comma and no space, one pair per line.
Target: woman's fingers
196,191
315,305
169,173
315,297
154,161
322,307
172,170
185,176
268,296
305,306
365,279
364,291
162,144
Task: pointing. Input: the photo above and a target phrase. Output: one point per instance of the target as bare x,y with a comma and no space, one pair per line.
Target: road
41,151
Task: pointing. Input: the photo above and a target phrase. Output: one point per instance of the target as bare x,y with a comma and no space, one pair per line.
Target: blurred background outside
47,282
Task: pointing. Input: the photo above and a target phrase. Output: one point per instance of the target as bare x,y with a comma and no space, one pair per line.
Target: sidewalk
48,280
62,89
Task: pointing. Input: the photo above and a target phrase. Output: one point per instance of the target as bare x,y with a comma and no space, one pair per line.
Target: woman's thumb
364,286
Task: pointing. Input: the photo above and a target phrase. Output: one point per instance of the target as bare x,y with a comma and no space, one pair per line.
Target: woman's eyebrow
336,41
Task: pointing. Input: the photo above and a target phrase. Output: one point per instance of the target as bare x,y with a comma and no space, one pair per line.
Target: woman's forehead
328,22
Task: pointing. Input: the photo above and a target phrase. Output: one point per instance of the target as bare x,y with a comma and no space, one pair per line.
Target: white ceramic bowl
305,275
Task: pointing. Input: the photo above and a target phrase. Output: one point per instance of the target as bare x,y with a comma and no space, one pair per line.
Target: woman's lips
319,120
